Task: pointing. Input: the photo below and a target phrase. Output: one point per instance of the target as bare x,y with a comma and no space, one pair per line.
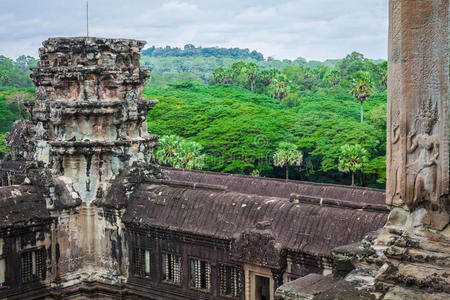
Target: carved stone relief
423,145
395,194
417,148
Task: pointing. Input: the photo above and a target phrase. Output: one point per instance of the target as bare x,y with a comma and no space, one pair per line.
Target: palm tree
252,71
223,75
362,88
255,173
279,88
267,75
332,77
189,155
177,152
352,159
287,155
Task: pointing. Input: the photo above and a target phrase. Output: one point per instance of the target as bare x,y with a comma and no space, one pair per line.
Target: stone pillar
418,139
410,258
414,246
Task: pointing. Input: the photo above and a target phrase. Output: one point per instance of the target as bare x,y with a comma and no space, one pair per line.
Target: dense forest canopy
198,64
16,73
190,50
237,108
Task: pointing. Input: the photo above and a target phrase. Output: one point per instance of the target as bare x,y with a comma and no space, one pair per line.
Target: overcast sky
313,29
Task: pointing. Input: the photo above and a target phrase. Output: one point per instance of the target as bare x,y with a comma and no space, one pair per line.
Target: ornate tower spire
89,112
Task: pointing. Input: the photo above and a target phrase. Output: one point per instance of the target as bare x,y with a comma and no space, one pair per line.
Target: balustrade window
230,281
141,262
200,274
171,266
32,265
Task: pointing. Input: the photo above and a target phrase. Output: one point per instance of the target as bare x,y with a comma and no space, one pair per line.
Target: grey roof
308,225
280,188
21,205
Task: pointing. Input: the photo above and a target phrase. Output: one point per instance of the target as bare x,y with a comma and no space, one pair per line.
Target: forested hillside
197,63
247,110
240,130
238,111
190,50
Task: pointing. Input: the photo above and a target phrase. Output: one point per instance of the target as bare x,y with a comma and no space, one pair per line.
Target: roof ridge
190,185
276,179
296,198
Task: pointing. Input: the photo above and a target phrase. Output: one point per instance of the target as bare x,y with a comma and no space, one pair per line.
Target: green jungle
232,110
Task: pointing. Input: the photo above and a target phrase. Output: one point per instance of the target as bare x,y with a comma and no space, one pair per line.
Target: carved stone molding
418,123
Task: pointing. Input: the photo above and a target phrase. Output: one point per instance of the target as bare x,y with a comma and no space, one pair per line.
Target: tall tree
332,77
237,68
267,75
362,88
352,159
177,152
352,63
26,62
383,70
252,71
223,75
15,74
279,87
287,155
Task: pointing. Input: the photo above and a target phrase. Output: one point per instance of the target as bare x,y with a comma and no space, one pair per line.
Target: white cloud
314,29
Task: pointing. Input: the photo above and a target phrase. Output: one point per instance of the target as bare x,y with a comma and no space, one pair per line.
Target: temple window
171,267
141,262
32,265
229,280
200,274
262,289
259,283
2,271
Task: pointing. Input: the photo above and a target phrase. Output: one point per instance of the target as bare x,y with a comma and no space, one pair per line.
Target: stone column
418,140
414,246
410,258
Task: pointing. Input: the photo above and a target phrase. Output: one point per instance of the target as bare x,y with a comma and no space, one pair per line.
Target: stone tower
89,112
91,147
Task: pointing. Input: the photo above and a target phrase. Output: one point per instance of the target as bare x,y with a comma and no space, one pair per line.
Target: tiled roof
309,225
279,187
21,205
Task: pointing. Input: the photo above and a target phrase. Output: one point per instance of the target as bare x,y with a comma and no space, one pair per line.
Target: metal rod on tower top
87,18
